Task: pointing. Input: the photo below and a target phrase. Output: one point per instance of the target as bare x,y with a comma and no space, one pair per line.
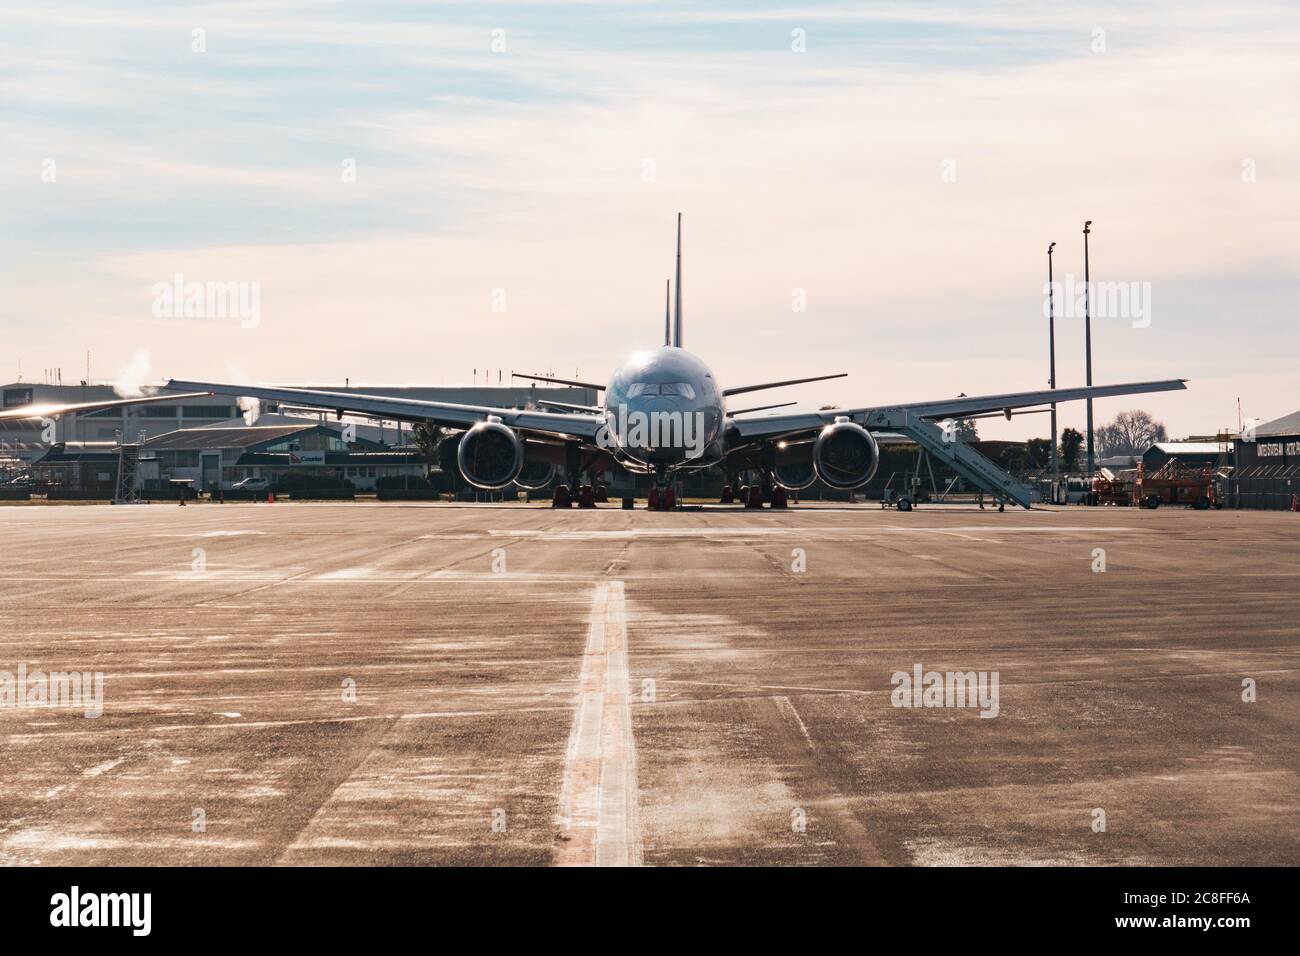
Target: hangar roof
1286,425
77,450
249,435
1187,447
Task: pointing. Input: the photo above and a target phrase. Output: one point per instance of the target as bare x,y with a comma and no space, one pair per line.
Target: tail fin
677,325
668,326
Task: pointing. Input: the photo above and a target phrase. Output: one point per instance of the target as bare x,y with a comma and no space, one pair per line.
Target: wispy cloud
526,170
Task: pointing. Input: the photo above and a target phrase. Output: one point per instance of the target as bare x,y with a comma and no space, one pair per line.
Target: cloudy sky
420,190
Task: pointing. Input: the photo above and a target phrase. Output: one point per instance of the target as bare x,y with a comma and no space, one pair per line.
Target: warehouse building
77,469
23,442
218,457
1267,475
1192,453
29,440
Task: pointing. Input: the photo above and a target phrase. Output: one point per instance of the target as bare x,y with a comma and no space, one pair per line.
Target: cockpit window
683,389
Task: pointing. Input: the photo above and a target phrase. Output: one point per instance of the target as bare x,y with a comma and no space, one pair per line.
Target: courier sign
1276,449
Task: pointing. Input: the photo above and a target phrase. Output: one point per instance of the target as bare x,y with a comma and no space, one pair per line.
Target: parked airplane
663,412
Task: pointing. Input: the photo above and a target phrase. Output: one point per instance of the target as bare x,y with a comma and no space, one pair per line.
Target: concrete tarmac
479,684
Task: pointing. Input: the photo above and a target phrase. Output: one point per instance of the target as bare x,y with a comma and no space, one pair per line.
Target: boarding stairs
962,458
128,484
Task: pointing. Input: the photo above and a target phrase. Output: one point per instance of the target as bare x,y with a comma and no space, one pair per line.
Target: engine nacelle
535,475
793,467
490,455
845,455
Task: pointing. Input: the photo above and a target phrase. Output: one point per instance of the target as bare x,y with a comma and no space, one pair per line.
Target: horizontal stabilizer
559,381
760,408
794,381
593,409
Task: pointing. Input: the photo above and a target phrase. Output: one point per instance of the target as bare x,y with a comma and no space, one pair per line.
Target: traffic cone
270,497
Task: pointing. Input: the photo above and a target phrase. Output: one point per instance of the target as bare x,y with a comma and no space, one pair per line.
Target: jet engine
490,455
845,455
793,467
535,474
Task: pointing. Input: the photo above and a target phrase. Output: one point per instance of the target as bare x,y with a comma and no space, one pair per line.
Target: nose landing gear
662,497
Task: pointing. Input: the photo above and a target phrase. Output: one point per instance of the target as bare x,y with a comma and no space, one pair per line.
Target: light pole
1051,349
1087,343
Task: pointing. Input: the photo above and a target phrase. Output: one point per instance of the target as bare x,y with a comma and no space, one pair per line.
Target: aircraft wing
54,409
775,426
553,424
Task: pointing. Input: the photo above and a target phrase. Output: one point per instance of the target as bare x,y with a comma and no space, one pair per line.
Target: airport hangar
208,440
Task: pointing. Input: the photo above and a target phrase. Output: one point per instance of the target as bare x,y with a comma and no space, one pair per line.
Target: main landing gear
753,496
586,494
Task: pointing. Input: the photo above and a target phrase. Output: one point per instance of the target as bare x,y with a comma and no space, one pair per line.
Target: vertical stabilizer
677,324
668,323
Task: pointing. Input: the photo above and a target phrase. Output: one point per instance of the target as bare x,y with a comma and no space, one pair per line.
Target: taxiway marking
598,816
561,534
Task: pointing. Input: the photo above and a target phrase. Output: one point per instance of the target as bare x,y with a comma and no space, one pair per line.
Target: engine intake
490,455
845,455
793,468
535,474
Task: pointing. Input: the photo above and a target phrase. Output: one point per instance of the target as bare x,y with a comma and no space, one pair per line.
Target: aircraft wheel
652,500
562,499
586,497
753,497
779,498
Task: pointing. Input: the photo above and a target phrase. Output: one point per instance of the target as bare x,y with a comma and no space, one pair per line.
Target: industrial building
1192,453
209,459
22,443
216,458
1267,473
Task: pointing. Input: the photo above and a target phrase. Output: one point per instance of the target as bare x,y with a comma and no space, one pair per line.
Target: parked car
252,484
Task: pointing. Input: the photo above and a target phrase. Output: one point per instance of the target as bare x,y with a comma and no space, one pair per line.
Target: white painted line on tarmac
599,813
765,531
